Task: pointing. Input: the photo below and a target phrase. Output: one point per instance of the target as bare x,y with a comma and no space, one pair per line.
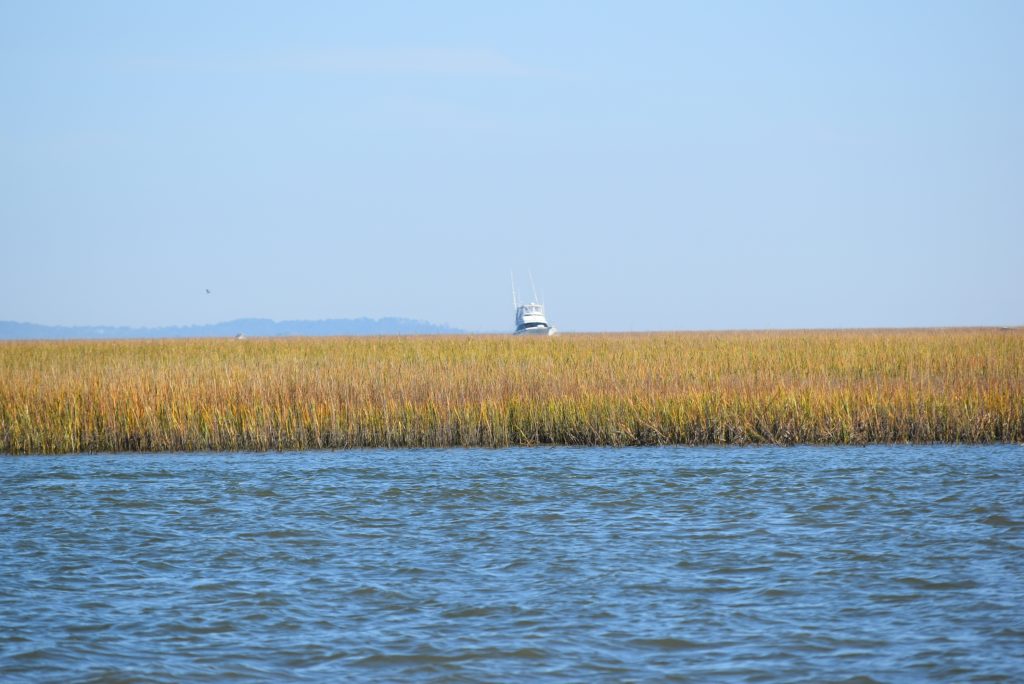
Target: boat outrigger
530,318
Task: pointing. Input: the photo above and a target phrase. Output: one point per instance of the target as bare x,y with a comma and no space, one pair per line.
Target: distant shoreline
961,385
247,327
259,328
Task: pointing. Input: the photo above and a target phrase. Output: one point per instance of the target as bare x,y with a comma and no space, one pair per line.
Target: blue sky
658,165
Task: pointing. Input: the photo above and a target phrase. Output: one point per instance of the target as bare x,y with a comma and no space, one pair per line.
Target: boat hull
536,332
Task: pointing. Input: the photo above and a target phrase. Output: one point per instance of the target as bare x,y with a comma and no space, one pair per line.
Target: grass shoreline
766,387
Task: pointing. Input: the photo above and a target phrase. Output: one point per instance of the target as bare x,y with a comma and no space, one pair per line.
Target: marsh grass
842,387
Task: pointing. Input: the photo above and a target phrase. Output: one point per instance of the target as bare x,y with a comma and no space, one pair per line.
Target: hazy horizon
664,166
420,327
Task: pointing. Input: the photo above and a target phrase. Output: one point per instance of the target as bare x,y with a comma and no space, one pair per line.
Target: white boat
530,318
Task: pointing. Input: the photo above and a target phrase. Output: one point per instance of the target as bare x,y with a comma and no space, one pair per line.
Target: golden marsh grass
834,387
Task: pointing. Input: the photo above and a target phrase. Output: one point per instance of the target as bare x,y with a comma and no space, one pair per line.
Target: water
752,564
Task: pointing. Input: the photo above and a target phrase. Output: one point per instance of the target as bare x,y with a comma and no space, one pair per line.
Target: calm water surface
818,564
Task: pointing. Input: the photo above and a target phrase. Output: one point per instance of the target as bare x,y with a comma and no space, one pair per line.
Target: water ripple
758,564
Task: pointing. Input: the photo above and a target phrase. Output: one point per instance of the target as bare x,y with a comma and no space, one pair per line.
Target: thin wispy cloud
405,61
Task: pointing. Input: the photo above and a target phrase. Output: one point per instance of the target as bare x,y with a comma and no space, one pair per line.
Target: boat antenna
533,287
515,302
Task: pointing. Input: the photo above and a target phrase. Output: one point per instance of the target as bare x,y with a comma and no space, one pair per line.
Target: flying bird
208,291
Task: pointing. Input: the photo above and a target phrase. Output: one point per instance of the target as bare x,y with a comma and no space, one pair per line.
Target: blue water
746,564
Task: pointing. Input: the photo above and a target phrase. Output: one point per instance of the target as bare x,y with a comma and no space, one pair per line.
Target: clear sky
658,165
